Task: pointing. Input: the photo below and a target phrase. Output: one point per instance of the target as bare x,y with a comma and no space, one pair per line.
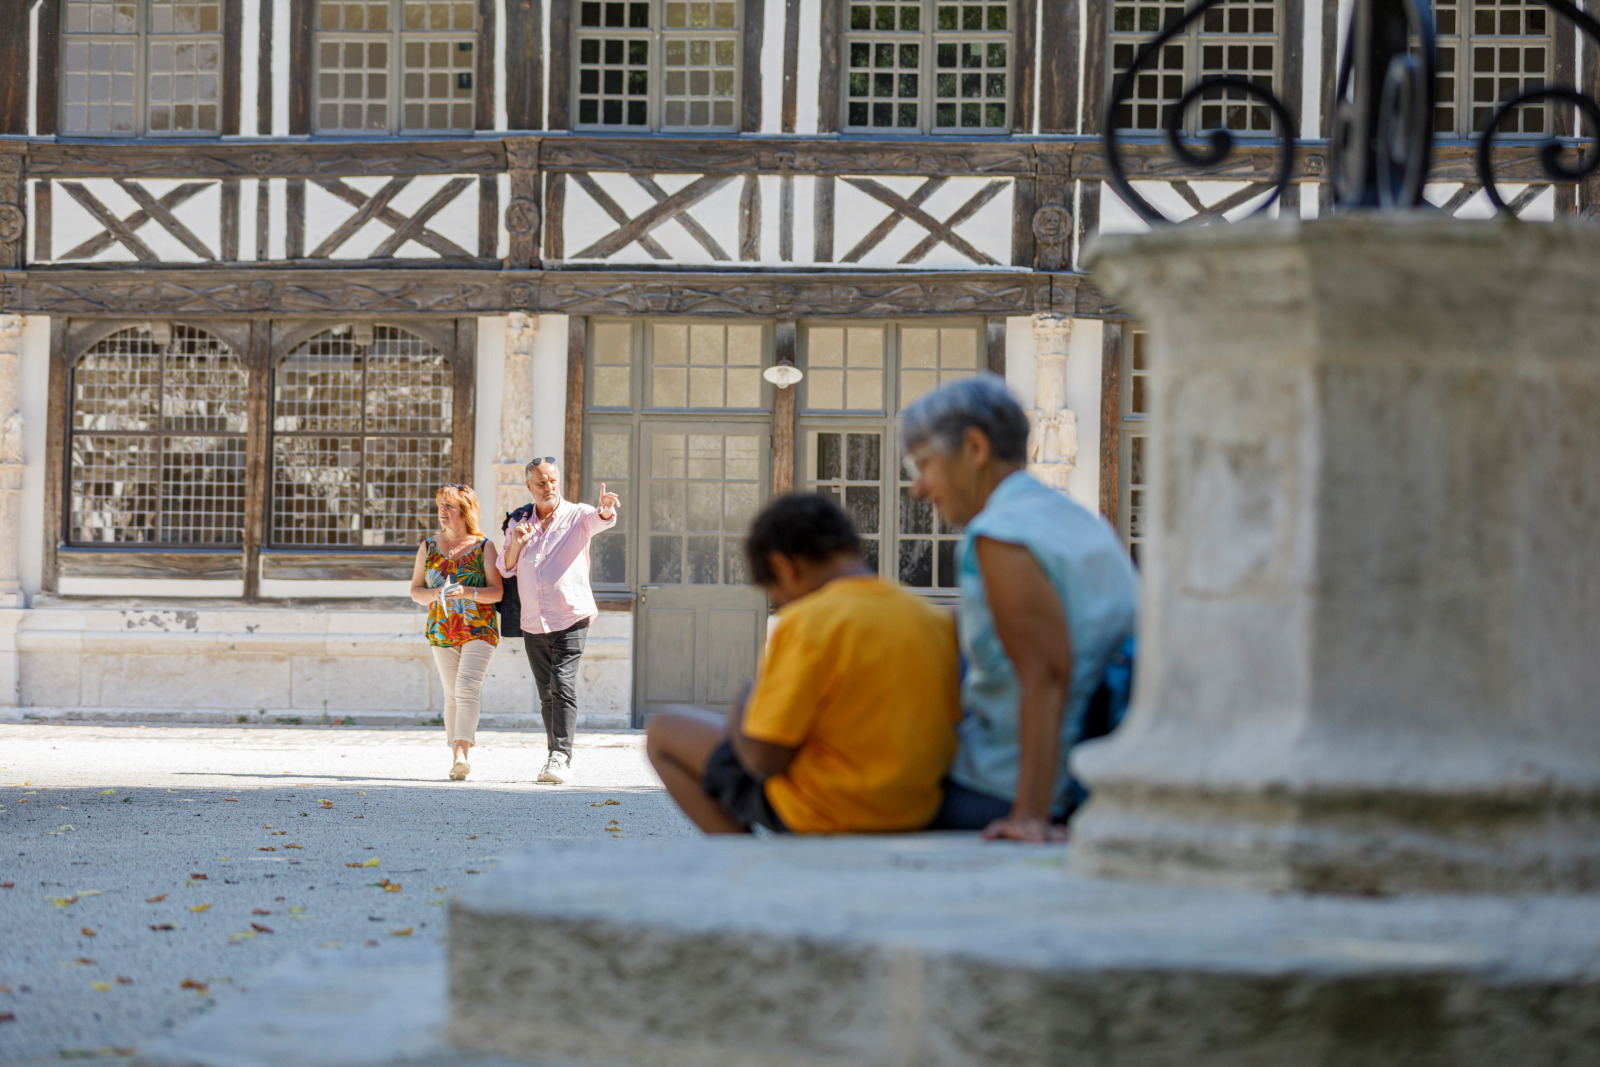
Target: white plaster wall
810,71
772,69
491,375
500,119
33,394
1083,396
249,73
550,386
280,68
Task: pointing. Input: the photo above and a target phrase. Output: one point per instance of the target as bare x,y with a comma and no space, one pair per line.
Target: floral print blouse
469,621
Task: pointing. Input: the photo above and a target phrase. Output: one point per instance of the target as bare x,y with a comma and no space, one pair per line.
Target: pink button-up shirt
553,571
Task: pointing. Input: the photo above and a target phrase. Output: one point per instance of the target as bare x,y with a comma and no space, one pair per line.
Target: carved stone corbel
1053,438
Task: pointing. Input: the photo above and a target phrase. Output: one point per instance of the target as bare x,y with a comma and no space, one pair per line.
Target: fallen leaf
24,800
108,792
433,902
266,848
162,926
325,803
472,872
101,987
8,1016
373,862
440,888
395,888
90,893
190,983
260,911
8,885
198,908
302,847
62,902
279,833
358,816
124,981
84,961
333,944
58,831
258,928
472,837
86,932
266,827
404,931
244,935
224,859
230,800
359,793
298,911
198,877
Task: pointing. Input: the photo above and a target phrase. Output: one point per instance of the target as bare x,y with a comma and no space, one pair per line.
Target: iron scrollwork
1219,144
1551,148
1383,120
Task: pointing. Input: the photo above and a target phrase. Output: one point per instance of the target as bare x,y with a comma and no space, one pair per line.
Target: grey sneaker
555,770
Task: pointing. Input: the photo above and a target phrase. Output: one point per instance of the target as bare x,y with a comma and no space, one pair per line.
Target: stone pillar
515,446
1372,583
1053,441
11,460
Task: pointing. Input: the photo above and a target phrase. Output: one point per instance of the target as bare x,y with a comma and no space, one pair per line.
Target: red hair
463,500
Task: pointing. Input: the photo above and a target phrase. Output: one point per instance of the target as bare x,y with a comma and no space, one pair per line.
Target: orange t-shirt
862,677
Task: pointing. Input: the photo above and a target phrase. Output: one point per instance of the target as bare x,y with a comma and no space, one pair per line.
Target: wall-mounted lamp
783,374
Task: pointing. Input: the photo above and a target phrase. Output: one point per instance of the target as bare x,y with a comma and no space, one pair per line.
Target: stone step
330,1010
524,720
940,950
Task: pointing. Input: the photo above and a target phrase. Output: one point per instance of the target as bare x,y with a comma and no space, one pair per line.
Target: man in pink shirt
548,554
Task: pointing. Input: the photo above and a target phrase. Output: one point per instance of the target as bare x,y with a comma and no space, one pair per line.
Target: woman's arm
419,580
491,593
1031,623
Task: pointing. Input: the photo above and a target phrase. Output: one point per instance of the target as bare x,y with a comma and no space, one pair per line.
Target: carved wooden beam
455,292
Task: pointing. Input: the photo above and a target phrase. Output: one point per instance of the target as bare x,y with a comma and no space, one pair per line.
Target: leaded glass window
657,64
922,66
396,66
1490,50
152,67
157,441
1238,38
361,439
1133,464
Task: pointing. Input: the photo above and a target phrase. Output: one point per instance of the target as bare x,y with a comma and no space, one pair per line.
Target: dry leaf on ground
162,926
198,987
155,900
258,928
404,931
198,908
86,932
101,987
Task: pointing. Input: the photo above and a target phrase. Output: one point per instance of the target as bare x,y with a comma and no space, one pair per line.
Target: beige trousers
461,669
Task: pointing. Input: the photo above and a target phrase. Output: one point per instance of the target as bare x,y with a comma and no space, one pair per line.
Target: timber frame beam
455,292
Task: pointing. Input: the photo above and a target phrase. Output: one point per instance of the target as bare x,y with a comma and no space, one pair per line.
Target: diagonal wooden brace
662,213
882,193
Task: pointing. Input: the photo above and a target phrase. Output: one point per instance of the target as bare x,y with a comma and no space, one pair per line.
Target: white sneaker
555,770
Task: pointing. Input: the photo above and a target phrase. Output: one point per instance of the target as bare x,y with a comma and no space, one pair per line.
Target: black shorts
737,791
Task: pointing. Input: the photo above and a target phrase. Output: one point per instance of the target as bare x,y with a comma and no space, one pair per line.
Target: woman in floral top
450,579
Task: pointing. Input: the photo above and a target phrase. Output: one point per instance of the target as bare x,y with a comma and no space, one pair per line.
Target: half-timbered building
271,272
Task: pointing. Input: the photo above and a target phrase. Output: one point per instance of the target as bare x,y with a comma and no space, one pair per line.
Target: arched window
361,439
157,440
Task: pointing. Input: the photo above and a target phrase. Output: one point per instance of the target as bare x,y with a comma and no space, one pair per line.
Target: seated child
850,725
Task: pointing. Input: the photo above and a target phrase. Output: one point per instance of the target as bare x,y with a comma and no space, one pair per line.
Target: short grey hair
538,461
943,417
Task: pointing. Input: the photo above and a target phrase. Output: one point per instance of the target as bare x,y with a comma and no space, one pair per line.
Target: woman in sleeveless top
453,580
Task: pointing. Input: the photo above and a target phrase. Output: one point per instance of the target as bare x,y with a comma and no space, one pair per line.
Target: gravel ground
149,873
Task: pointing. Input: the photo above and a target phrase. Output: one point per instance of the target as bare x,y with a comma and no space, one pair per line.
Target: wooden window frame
1020,19
1558,40
304,73
748,35
47,85
260,341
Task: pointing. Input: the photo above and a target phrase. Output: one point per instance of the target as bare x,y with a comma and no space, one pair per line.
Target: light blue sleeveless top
1085,562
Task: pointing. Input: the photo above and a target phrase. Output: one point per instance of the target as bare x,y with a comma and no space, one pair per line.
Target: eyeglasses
913,461
454,485
537,460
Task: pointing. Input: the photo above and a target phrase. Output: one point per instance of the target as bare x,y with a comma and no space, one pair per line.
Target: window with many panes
1490,50
156,441
395,66
923,66
1238,38
1133,461
657,64
141,67
858,378
361,439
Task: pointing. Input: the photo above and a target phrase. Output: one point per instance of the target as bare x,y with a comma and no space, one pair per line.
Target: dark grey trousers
554,659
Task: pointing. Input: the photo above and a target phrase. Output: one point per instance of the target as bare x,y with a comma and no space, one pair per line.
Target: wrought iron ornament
1381,143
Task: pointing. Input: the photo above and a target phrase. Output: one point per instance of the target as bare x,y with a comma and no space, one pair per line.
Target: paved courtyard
150,873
